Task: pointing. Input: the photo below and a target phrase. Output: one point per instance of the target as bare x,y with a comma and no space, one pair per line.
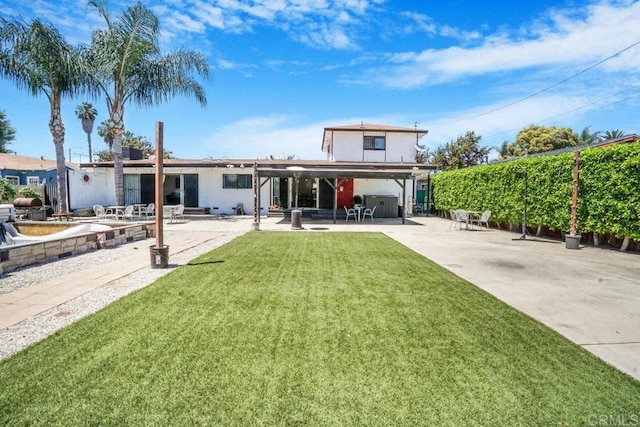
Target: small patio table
471,215
116,211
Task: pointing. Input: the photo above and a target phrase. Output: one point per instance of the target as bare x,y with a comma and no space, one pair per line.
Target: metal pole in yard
574,196
159,252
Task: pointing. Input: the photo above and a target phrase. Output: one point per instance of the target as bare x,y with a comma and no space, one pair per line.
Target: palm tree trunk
118,130
57,132
89,142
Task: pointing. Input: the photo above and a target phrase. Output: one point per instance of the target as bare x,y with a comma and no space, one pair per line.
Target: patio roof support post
256,198
403,184
335,194
404,199
259,199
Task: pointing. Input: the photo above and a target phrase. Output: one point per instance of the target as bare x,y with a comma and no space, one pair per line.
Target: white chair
178,212
462,217
100,212
454,219
351,212
148,211
484,219
129,213
369,213
168,212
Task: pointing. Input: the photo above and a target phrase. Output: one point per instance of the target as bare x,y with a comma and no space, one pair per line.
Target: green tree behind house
538,139
7,133
130,140
464,152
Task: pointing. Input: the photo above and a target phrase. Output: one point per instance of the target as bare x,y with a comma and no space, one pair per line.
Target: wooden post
574,198
159,186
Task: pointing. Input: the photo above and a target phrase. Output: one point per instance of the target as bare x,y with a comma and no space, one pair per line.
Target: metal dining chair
351,212
484,219
369,213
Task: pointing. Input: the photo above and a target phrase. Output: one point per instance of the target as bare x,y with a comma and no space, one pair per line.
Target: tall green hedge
610,190
609,196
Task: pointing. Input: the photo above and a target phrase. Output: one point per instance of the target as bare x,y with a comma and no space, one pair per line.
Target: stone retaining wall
17,256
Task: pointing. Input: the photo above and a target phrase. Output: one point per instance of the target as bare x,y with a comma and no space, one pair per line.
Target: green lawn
315,329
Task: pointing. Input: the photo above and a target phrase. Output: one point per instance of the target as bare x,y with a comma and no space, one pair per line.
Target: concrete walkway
590,295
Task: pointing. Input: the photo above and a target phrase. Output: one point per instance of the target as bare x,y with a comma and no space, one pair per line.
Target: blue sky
282,70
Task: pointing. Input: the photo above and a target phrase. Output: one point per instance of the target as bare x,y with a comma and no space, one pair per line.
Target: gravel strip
38,327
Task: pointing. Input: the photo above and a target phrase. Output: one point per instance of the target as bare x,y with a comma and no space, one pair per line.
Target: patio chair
369,213
100,212
129,213
351,212
462,217
484,219
454,219
178,212
169,212
148,211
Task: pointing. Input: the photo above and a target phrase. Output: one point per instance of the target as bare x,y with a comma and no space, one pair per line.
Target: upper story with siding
372,143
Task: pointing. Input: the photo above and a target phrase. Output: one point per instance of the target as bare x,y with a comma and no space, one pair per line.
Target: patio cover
400,172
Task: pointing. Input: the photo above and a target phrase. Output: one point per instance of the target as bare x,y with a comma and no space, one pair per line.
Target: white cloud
225,65
261,137
279,136
600,31
210,15
181,22
496,124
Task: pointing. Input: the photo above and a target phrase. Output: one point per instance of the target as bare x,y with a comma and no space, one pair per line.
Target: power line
542,90
580,108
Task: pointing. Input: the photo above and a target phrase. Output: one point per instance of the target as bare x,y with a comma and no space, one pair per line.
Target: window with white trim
33,180
237,181
13,180
375,143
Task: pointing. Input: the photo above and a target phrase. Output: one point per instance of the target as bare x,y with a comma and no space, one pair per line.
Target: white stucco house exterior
363,160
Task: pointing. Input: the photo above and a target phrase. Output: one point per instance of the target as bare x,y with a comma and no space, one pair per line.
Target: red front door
345,192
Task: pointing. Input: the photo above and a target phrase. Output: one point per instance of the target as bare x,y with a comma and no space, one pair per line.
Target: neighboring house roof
327,137
622,140
23,163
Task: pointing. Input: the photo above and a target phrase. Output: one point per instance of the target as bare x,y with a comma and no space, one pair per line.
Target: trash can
159,256
296,219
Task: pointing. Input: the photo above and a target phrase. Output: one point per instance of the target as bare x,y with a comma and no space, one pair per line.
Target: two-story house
371,144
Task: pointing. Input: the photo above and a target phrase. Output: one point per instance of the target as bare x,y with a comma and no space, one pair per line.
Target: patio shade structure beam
403,185
335,194
398,172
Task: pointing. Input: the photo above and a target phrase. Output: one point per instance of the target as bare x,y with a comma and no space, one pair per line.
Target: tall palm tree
87,114
128,66
586,138
38,60
105,132
613,134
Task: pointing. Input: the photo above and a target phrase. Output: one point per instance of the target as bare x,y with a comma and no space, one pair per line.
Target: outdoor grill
26,202
31,207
